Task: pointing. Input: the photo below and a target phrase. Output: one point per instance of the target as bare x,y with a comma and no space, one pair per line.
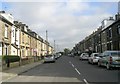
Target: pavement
13,72
60,71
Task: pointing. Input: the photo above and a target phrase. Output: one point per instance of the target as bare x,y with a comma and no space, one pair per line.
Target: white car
93,58
49,58
84,56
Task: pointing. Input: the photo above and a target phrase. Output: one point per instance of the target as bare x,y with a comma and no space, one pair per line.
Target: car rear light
111,59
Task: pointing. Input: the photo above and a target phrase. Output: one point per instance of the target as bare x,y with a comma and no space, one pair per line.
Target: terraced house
6,23
44,48
39,46
25,41
33,43
16,38
107,37
50,50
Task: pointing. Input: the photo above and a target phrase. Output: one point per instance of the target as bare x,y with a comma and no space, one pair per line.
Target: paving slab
10,73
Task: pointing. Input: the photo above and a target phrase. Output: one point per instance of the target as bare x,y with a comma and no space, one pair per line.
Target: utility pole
47,42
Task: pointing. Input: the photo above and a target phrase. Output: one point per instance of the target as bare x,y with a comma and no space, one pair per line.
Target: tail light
111,59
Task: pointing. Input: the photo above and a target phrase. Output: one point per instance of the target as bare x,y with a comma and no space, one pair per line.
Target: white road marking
73,66
85,81
77,71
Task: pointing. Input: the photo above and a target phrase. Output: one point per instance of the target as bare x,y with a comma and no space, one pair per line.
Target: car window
115,53
95,55
48,56
102,55
118,53
86,54
106,54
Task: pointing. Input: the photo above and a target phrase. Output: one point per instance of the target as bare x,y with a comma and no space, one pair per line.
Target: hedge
11,58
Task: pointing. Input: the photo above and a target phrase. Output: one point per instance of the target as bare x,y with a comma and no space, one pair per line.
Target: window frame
6,31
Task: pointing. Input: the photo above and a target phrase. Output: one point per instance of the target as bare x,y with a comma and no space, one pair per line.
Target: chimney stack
117,16
2,11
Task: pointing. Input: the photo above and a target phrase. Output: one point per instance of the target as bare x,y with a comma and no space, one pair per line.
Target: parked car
71,54
93,58
56,56
49,58
84,56
110,59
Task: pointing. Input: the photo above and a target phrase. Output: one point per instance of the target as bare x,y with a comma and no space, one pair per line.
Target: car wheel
108,66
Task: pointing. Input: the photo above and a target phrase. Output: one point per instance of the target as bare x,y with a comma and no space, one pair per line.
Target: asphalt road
69,69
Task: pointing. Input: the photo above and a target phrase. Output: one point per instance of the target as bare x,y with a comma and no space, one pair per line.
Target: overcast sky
68,22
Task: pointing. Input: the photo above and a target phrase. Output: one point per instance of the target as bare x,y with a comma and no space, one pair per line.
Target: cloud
59,0
66,22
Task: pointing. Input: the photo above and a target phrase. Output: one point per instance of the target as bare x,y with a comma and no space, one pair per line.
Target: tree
66,51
